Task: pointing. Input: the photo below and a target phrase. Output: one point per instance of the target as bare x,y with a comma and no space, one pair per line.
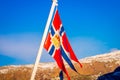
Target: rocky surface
92,68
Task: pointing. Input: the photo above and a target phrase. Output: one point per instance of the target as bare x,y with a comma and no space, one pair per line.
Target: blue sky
92,27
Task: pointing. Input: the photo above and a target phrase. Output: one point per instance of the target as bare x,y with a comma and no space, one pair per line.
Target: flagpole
43,39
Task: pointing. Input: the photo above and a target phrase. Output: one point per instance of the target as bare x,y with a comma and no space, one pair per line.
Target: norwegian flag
59,47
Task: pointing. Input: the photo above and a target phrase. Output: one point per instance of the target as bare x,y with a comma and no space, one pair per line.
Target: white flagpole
43,39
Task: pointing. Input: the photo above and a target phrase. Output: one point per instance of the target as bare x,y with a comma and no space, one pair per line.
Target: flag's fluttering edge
59,47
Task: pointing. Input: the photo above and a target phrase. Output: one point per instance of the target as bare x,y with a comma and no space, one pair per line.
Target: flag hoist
56,43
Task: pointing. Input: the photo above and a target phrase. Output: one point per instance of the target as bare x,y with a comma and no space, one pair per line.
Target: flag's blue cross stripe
61,31
53,32
67,59
52,50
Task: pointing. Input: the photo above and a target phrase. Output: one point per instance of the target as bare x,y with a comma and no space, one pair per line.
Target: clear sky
92,27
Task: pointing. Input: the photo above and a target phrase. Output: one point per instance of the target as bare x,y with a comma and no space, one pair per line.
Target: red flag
58,45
